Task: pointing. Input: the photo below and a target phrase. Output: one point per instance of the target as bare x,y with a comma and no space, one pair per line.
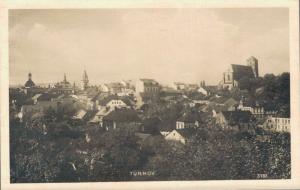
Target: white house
35,98
116,103
113,101
104,88
203,91
175,136
277,124
80,114
181,135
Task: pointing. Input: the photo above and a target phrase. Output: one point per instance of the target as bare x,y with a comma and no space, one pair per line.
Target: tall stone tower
253,63
84,81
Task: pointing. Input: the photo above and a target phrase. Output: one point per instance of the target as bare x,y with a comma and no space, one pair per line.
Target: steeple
74,88
85,80
65,78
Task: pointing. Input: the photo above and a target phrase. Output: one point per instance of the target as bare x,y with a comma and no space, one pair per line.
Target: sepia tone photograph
149,94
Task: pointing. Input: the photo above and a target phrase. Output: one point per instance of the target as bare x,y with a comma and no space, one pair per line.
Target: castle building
84,81
232,76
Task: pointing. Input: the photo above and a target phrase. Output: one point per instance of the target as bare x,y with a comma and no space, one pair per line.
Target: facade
256,110
112,102
190,120
179,86
182,136
277,124
147,87
232,76
175,136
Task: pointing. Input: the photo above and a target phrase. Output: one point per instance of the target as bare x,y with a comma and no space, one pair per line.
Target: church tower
85,80
29,83
253,63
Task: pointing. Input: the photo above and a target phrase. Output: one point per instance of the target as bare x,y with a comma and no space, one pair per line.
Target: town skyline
168,92
116,50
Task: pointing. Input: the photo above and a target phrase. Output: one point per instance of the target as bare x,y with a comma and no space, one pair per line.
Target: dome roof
29,83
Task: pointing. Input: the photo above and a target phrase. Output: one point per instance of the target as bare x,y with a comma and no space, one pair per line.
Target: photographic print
149,94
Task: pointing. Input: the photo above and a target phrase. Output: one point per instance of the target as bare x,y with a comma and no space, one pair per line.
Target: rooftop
240,71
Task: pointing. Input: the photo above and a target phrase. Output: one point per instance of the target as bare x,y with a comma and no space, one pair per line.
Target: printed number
262,176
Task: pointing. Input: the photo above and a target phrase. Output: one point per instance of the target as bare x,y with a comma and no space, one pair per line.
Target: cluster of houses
117,104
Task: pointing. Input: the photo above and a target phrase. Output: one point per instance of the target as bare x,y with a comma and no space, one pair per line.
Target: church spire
65,78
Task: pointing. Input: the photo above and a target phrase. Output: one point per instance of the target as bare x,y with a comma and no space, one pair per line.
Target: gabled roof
218,100
235,117
240,71
107,99
89,115
230,102
190,117
122,115
103,111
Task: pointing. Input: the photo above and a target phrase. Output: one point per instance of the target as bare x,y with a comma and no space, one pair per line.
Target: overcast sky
168,45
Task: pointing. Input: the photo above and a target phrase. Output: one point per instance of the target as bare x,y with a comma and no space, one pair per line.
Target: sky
187,45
